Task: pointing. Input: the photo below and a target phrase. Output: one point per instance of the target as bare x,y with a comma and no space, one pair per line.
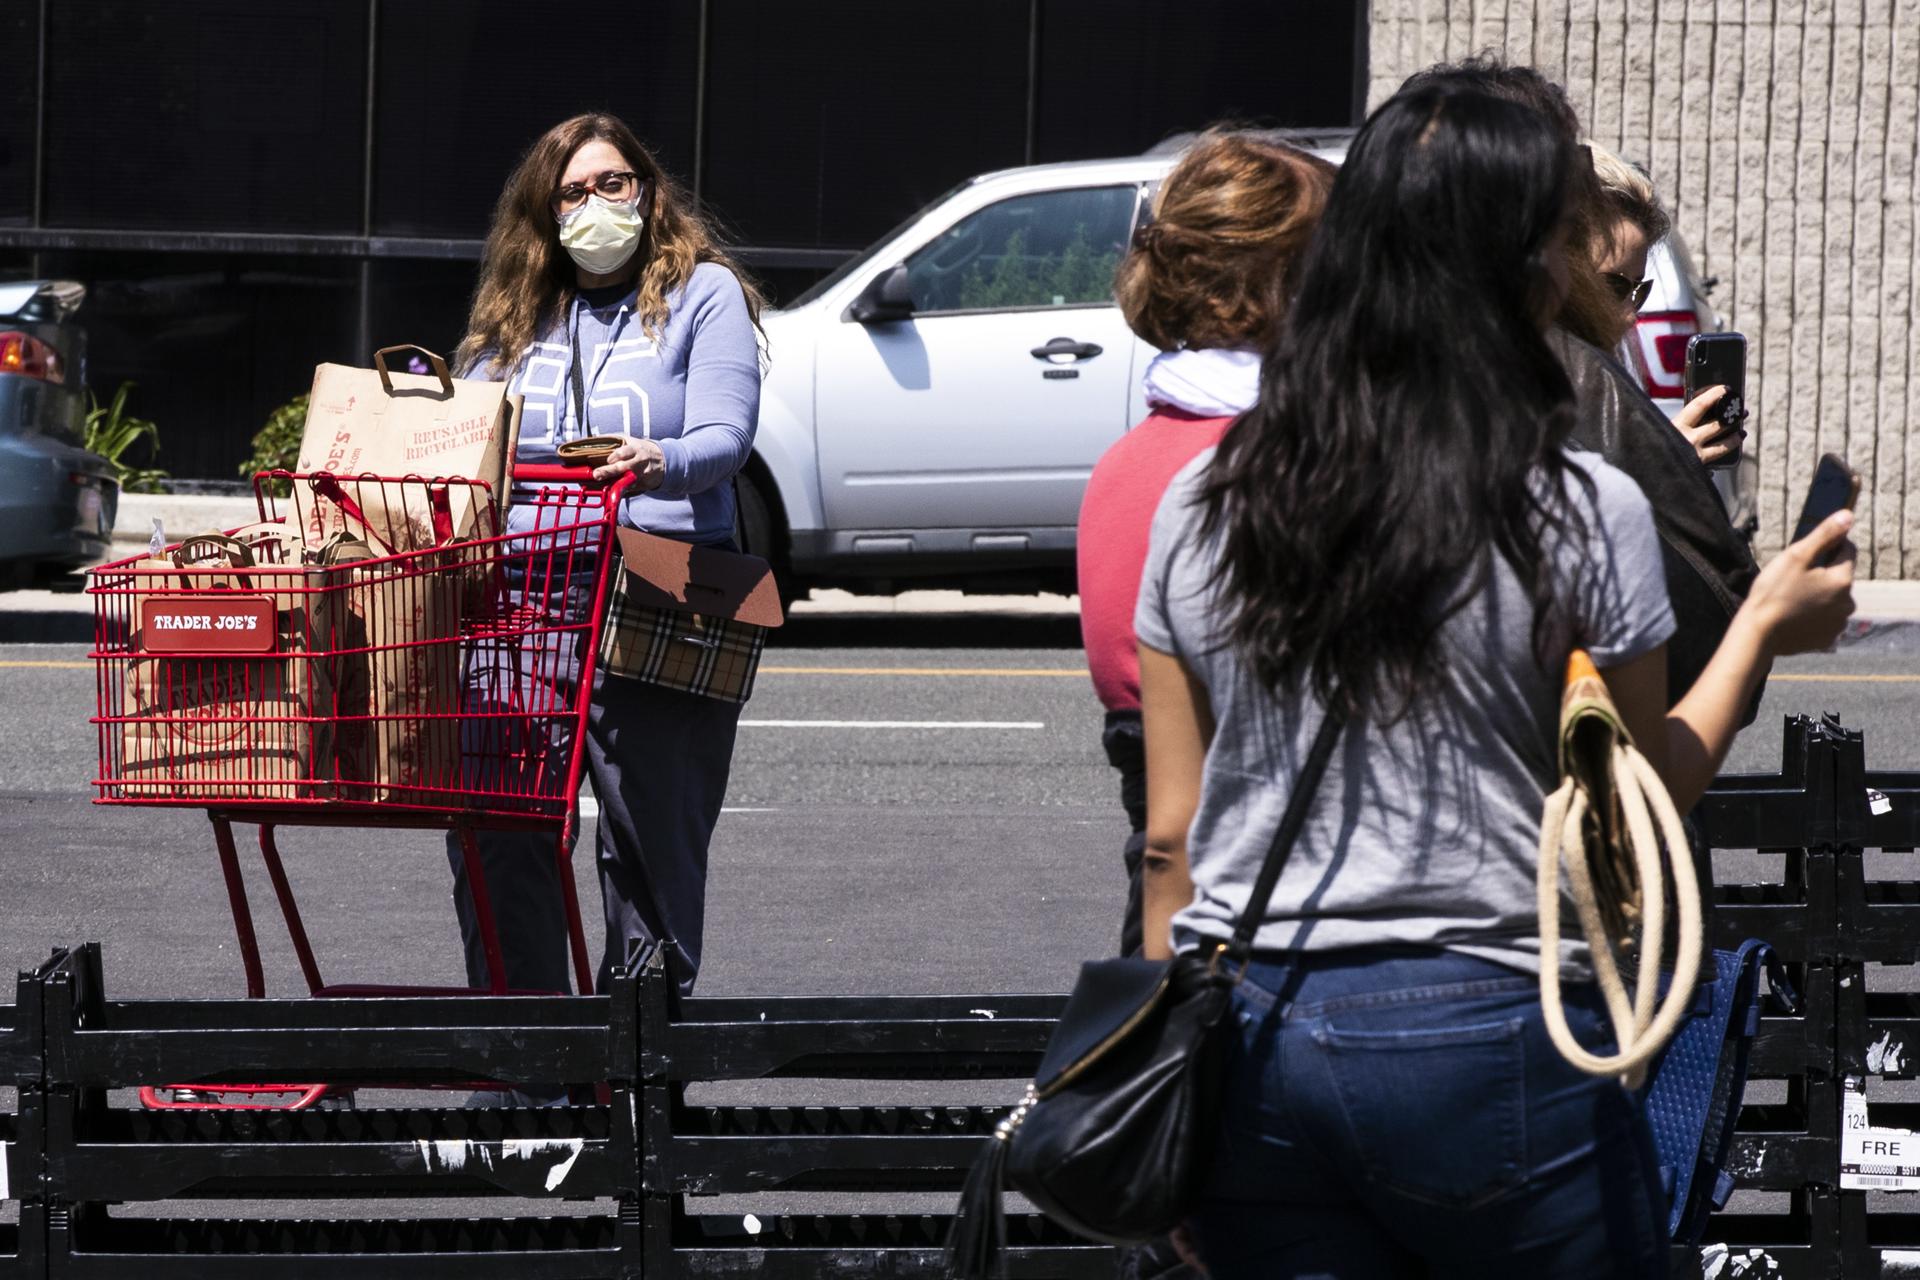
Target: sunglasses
1626,289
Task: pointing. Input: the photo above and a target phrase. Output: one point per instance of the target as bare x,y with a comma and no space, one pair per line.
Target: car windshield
846,268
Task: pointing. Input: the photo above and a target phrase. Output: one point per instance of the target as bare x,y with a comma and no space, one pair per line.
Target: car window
1049,249
854,260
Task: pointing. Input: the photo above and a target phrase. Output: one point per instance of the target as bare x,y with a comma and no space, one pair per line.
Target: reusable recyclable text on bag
375,422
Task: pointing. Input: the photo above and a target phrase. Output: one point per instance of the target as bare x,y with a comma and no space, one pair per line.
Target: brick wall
1783,137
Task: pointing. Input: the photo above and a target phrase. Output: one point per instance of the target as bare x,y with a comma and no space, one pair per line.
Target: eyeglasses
1627,289
615,185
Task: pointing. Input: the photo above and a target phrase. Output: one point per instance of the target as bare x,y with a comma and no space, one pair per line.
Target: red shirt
1116,517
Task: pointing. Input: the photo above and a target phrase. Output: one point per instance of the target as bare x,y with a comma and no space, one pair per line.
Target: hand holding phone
1719,360
1804,596
1835,486
1699,423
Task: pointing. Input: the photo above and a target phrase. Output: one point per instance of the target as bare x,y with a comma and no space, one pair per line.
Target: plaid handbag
688,618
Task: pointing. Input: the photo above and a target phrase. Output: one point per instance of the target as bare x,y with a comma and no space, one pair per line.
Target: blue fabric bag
1693,1098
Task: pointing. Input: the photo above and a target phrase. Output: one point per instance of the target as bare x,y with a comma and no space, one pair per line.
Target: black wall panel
1115,78
827,124
206,114
213,343
464,89
19,72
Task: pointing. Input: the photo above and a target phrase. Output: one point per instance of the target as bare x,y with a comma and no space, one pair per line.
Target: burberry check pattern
693,652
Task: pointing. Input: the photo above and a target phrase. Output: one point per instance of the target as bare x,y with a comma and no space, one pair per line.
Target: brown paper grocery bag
363,422
398,677
225,726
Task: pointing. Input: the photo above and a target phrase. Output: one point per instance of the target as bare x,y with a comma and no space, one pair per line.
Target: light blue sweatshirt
695,392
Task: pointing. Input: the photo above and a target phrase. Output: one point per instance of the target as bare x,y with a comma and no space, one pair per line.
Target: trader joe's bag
223,695
373,422
399,674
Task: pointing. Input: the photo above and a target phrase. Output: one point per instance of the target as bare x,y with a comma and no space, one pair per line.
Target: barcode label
1851,1181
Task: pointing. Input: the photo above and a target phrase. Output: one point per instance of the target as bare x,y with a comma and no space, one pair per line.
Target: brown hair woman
607,304
1206,282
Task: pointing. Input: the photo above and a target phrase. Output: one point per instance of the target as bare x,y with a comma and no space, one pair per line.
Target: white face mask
601,236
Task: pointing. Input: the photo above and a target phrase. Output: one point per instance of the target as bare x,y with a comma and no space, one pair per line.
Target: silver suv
933,408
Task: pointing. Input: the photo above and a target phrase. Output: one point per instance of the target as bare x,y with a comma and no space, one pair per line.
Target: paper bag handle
438,365
239,554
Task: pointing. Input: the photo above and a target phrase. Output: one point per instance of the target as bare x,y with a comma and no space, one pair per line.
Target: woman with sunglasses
1632,222
607,304
1710,568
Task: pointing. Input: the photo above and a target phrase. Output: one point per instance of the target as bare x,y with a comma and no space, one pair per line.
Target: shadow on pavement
927,631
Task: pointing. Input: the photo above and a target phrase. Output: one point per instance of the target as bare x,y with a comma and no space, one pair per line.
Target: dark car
57,500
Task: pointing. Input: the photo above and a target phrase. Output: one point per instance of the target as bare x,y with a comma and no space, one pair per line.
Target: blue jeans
1402,1113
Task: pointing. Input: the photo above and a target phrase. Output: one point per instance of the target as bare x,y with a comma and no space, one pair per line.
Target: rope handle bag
1615,826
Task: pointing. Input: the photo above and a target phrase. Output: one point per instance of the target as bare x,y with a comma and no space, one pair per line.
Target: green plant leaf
112,432
276,446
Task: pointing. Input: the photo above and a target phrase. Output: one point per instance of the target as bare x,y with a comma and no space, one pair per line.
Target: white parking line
590,808
893,724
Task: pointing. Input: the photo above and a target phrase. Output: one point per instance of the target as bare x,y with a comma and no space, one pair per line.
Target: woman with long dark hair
607,303
1397,535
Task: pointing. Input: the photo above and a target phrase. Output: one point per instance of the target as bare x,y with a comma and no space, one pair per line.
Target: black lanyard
579,383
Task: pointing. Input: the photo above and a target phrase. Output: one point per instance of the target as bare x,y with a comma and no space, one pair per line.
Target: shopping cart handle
580,473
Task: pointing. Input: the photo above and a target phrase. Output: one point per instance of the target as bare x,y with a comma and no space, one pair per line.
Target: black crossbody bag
1115,1133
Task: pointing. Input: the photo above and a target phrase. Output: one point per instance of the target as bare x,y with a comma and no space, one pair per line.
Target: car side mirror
887,297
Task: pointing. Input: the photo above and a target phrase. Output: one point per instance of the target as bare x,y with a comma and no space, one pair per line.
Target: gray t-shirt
1426,832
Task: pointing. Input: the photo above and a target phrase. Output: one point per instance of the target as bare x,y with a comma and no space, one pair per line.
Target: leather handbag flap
1111,997
683,578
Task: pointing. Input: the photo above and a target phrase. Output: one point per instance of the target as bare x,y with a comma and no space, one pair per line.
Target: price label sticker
1874,1157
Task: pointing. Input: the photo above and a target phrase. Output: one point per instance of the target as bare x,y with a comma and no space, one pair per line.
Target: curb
1893,636
46,626
180,514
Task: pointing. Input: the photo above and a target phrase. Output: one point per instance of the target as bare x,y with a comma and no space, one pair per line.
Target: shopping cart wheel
232,1097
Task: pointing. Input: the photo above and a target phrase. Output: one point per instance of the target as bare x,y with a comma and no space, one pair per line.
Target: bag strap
238,555
1240,946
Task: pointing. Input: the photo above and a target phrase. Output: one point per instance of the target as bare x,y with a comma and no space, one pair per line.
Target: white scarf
1213,382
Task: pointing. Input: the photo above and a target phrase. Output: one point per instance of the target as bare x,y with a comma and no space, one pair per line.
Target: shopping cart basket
276,678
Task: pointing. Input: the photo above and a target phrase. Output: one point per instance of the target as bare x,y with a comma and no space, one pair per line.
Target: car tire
760,535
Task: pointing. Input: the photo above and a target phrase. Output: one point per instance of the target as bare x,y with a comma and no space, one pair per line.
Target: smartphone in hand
1835,485
1719,360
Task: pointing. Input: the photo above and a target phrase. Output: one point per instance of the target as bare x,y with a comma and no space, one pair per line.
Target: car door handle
1067,347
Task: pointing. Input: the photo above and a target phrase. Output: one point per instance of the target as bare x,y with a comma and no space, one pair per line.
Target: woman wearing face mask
1632,222
606,303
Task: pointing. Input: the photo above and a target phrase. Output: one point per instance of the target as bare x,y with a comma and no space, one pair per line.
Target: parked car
932,408
57,501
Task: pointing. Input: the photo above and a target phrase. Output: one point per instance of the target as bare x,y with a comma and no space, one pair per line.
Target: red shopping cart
310,671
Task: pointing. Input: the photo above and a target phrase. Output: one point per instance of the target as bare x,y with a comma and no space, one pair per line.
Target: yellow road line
1844,679
65,666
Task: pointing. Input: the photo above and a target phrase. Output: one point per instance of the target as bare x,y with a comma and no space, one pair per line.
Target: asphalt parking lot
919,804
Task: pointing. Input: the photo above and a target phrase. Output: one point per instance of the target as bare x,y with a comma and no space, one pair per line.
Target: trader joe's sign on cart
208,624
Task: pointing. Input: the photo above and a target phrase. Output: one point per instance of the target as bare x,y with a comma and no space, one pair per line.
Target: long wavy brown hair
527,279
